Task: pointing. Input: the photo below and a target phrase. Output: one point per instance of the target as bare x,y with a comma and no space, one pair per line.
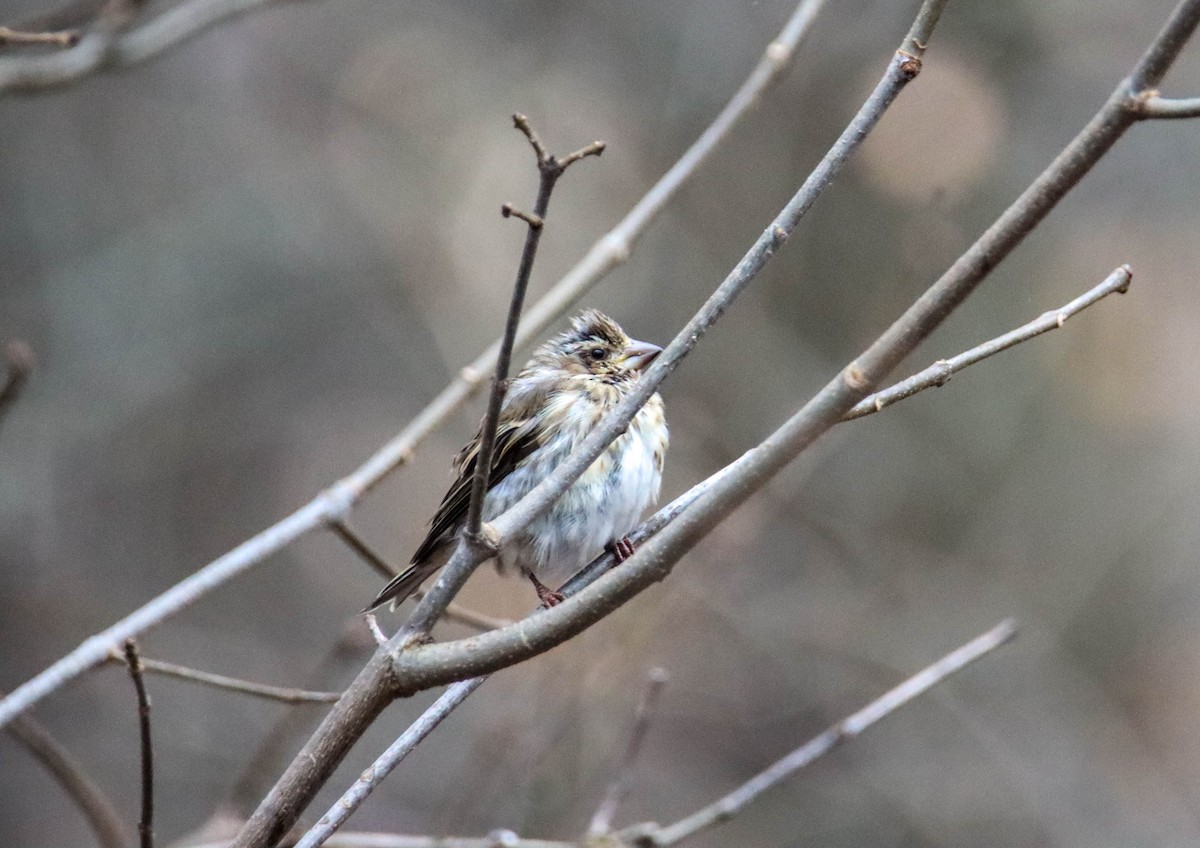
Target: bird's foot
548,596
622,549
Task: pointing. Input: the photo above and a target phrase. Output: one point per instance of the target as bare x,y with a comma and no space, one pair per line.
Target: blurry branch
54,38
18,362
610,251
73,15
1152,106
495,839
454,612
601,823
231,684
104,47
403,666
940,372
96,807
725,808
146,822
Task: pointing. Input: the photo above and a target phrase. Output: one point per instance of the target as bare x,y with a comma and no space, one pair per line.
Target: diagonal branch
231,684
612,250
601,823
96,807
725,808
940,372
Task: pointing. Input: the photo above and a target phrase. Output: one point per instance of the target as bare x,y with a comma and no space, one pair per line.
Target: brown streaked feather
515,440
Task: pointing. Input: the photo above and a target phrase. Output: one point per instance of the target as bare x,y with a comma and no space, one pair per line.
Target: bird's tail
403,585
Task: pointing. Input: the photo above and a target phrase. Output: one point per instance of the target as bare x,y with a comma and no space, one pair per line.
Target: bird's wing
516,438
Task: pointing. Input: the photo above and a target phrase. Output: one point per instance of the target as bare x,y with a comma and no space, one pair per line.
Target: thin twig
231,684
940,372
610,251
54,38
377,634
496,839
146,822
725,808
475,546
602,820
96,807
1153,106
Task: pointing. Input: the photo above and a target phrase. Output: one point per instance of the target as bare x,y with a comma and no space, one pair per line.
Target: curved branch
232,684
1155,107
96,807
612,250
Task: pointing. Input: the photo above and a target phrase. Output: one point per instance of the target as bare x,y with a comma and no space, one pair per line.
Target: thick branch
725,808
96,807
610,251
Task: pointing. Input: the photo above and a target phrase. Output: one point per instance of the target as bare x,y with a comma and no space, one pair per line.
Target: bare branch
495,839
940,372
602,820
723,809
146,822
613,249
96,807
1152,106
231,684
53,38
103,48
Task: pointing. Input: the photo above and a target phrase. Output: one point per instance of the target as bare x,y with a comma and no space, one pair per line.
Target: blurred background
247,264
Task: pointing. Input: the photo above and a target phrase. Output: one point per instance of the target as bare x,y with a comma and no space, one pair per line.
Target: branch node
910,65
778,54
534,221
856,378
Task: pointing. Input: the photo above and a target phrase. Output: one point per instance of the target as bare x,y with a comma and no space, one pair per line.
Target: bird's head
596,345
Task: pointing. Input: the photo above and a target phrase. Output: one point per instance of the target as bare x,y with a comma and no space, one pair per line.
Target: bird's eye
597,353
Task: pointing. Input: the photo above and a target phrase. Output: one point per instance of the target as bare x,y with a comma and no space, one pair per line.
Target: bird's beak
639,355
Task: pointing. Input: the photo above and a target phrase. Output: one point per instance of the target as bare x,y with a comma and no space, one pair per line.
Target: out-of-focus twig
602,820
940,372
103,48
495,839
96,807
52,38
146,821
282,694
725,808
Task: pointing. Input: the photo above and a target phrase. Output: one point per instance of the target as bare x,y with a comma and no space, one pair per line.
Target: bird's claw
622,549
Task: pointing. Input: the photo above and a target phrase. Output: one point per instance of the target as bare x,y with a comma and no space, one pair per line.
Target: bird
561,394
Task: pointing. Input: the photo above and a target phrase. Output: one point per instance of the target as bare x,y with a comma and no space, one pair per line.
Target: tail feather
403,585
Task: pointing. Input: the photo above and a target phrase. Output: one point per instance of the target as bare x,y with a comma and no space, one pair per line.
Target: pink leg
622,549
548,596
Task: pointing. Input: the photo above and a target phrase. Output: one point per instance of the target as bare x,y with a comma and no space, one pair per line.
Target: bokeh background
245,265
